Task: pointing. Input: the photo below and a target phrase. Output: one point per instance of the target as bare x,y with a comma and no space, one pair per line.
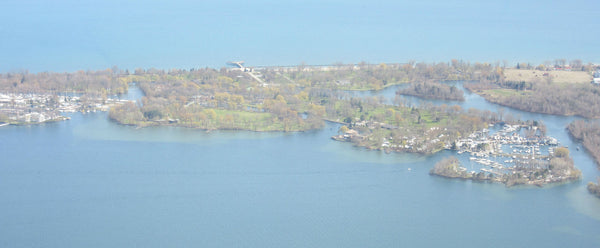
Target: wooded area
542,95
96,83
588,133
285,99
365,76
433,90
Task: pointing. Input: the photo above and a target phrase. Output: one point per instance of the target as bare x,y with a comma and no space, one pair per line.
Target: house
351,133
596,79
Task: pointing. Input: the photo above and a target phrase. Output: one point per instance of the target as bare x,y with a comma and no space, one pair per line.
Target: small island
557,169
433,90
516,154
594,188
450,167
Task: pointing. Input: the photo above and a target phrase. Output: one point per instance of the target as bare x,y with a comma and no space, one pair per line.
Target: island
303,97
433,90
594,188
555,169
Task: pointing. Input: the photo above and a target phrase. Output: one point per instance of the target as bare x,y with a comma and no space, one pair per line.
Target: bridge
239,64
250,71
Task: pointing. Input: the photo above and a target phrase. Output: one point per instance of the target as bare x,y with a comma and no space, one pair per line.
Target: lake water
70,35
88,182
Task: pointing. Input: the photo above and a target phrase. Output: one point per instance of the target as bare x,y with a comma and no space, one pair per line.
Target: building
596,79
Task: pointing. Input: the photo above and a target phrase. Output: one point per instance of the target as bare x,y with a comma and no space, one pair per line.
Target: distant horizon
69,35
224,65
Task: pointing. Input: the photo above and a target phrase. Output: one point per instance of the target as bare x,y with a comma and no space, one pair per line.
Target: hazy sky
72,35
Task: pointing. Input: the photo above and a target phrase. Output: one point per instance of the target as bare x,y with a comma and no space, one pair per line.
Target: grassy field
534,76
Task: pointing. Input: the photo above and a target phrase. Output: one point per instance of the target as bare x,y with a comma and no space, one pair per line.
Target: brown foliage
96,82
587,132
574,99
433,90
594,188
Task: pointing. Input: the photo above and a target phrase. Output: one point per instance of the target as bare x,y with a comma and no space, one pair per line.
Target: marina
514,154
39,108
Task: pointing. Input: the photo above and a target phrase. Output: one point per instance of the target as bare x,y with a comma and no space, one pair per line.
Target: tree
542,128
541,67
501,113
560,63
447,167
561,152
211,114
576,64
153,114
348,120
594,188
343,129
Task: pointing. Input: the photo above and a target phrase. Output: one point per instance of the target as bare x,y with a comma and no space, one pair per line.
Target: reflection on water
106,130
133,93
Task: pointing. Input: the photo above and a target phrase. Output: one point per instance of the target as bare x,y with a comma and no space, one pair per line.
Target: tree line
98,83
365,76
572,99
588,133
433,90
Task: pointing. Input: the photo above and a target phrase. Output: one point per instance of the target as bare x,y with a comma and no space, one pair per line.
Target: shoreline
208,130
491,99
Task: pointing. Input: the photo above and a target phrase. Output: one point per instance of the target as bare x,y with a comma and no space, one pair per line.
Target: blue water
69,35
88,182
